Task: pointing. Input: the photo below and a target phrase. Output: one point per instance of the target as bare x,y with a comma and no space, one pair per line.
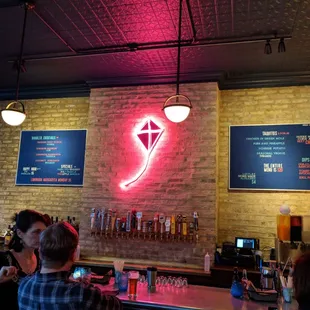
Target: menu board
51,157
270,157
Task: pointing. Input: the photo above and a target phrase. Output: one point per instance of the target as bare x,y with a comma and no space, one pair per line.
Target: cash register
240,253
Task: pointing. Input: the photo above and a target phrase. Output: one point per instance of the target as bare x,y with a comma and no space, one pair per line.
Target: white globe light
177,113
12,116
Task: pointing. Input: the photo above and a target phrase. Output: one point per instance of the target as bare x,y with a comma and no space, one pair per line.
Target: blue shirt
54,291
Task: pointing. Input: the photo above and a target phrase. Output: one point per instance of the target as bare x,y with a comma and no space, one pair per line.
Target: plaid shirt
54,291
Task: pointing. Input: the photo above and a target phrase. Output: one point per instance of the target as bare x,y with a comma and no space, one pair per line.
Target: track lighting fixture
268,49
281,46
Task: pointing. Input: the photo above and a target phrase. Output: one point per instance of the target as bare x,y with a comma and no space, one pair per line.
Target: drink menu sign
51,157
270,157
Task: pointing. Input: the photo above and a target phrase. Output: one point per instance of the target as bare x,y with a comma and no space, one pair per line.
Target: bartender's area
154,154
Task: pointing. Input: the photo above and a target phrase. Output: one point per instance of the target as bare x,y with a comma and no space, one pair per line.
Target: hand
7,273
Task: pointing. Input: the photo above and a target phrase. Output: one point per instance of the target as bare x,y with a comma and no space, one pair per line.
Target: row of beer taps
109,224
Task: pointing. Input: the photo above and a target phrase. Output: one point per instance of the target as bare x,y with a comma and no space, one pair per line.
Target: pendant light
177,107
14,113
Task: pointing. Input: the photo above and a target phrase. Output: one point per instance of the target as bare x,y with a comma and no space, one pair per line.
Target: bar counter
219,276
193,297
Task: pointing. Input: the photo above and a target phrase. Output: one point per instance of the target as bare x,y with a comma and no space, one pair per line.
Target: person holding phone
22,258
51,287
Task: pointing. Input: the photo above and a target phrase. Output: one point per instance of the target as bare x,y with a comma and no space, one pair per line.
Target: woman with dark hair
301,280
22,258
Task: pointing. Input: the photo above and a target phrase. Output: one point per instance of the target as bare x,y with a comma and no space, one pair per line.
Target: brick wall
181,176
253,214
69,113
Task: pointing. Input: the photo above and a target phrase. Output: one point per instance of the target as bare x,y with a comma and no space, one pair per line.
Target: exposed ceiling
121,42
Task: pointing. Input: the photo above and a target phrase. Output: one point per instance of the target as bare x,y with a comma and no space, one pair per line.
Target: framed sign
51,157
269,157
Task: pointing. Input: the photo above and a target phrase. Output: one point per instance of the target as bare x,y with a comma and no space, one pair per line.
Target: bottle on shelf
8,236
207,263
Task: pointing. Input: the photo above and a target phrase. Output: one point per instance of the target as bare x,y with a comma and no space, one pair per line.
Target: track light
268,49
281,46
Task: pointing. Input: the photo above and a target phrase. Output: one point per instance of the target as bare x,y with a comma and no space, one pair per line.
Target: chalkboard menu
270,157
51,157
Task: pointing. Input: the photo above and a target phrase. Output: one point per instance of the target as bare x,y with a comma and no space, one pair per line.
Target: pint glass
133,278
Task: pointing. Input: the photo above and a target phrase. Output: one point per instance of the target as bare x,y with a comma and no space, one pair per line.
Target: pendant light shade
12,116
177,111
178,107
14,113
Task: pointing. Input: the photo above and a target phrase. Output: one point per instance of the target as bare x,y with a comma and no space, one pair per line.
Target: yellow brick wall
253,214
69,113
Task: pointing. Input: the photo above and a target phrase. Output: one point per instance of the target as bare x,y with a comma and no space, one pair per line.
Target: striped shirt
54,291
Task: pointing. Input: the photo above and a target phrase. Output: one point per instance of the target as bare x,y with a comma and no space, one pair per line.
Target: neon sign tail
127,183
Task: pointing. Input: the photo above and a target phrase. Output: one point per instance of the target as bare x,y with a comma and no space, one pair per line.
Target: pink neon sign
148,135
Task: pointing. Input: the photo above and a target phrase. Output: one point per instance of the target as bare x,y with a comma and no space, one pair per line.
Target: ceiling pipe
151,46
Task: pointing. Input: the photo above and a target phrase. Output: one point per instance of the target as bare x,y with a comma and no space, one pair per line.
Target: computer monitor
245,243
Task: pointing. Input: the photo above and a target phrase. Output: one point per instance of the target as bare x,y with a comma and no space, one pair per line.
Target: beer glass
133,278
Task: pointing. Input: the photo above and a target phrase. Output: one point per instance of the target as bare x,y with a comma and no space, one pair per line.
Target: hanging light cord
179,48
19,65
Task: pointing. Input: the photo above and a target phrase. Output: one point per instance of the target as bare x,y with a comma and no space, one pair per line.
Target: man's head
302,281
58,244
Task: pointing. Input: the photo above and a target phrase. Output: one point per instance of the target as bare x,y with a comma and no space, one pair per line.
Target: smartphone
80,272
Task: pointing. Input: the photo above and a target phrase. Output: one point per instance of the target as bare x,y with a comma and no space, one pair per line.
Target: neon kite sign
148,135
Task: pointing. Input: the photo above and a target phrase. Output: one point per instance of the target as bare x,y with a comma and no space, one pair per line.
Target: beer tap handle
98,222
184,228
139,220
179,226
156,219
102,221
167,226
161,222
172,227
113,221
92,220
196,215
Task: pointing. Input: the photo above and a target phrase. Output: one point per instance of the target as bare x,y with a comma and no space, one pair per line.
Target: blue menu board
269,157
51,157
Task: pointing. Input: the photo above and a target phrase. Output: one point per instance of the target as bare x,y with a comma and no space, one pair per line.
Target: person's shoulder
29,279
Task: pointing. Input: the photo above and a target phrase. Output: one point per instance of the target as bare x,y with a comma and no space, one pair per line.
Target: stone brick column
181,177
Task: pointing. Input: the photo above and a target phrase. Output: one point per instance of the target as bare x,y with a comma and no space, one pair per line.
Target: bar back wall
181,176
250,213
42,114
188,170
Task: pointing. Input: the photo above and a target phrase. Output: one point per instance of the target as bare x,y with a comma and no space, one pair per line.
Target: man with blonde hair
51,289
